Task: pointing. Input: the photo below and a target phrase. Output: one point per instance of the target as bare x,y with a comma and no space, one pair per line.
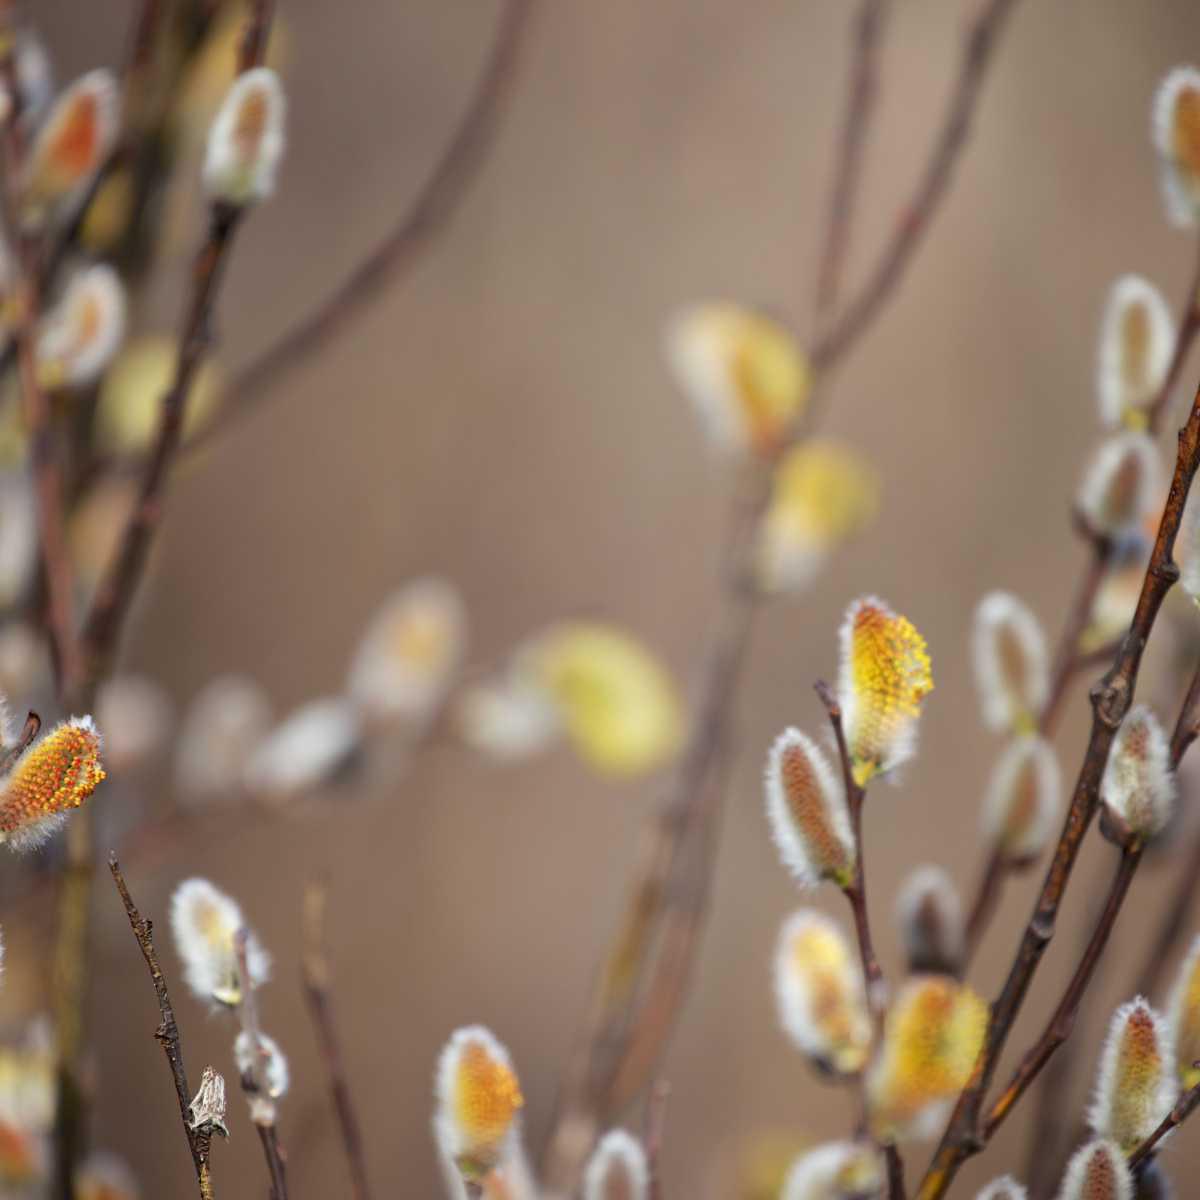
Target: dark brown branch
314,973
931,189
167,1035
1184,1107
1060,1025
868,31
427,217
1111,699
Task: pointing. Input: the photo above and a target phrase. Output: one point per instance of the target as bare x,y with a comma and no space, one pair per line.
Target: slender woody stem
1184,1107
930,192
856,893
167,1033
428,216
1111,699
868,32
315,975
1060,1025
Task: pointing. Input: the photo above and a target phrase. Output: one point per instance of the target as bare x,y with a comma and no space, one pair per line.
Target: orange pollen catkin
57,774
487,1095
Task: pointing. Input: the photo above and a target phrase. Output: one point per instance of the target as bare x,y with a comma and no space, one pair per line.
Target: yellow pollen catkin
890,676
57,774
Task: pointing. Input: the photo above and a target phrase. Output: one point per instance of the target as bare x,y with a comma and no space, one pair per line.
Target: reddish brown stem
868,31
1060,1025
930,192
987,898
1111,699
427,217
315,977
167,1033
1184,1107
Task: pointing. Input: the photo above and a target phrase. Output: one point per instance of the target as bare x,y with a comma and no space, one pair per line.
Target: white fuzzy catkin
1004,1188
1121,485
1137,340
929,916
83,332
1174,121
1097,1171
1136,1084
205,922
1012,667
807,812
72,143
409,654
1024,799
307,749
246,140
1183,1017
832,1170
617,1168
265,1060
819,992
476,1132
223,726
104,1176
133,714
1138,783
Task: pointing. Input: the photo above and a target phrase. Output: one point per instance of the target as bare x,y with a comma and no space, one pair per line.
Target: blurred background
503,417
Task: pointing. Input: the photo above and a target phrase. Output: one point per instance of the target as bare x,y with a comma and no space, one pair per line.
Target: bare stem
167,1033
930,192
1060,1025
1111,699
868,31
1184,1107
428,216
315,975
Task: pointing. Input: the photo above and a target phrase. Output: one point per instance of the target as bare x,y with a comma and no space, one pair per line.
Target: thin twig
314,974
167,1034
427,217
1184,1107
856,893
868,31
987,900
931,189
254,1082
1060,1025
1111,699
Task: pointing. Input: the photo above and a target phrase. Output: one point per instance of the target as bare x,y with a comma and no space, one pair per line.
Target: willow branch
860,101
652,1139
1060,1025
423,221
1184,1107
987,900
930,192
856,894
1111,699
167,1034
315,974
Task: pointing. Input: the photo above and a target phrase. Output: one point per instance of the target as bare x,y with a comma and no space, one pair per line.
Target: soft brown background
503,416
